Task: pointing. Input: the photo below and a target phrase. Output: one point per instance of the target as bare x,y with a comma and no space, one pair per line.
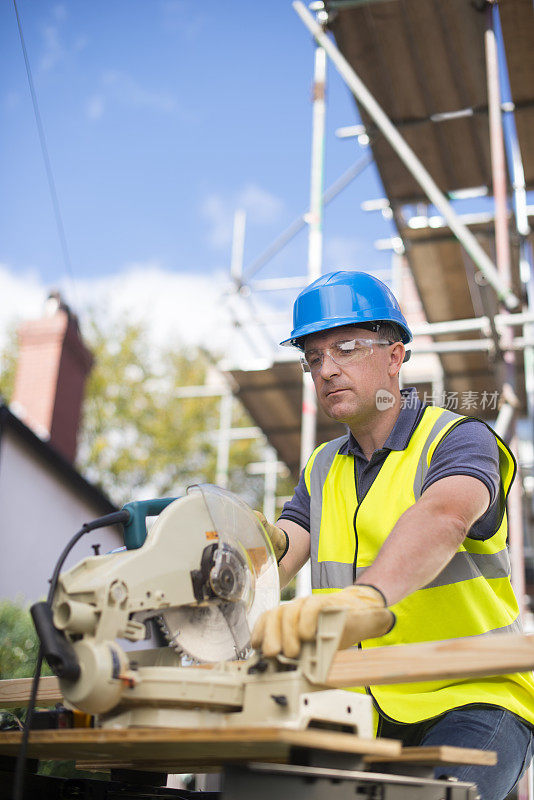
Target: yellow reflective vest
472,596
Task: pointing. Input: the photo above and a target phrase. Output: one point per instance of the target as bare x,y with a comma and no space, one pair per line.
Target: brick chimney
52,368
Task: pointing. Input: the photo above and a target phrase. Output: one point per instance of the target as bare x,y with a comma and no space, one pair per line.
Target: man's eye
313,359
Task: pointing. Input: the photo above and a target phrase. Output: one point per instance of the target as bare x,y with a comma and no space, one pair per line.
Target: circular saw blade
208,633
238,579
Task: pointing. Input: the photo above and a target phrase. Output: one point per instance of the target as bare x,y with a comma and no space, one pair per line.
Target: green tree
138,435
8,365
18,642
18,652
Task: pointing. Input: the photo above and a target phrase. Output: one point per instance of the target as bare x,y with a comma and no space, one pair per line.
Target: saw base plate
229,696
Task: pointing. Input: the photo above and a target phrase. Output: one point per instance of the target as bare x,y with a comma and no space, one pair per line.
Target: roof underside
273,398
424,59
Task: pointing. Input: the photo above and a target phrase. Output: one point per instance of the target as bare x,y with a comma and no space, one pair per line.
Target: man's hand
282,629
279,538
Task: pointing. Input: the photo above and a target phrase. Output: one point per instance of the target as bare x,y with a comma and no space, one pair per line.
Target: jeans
482,727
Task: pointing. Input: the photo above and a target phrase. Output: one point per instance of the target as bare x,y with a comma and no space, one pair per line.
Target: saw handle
139,510
57,650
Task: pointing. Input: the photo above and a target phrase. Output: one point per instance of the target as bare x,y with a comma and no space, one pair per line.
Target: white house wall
39,513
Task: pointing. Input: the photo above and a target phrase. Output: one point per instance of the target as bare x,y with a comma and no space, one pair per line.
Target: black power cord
115,518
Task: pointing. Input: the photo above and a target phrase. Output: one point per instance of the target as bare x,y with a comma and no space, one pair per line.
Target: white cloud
219,215
345,251
53,48
180,17
11,100
126,89
176,308
59,11
261,207
79,44
22,296
95,106
120,88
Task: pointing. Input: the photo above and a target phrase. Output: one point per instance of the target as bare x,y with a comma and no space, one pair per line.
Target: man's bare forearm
298,551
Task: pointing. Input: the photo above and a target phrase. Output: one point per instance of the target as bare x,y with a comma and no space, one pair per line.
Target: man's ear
396,358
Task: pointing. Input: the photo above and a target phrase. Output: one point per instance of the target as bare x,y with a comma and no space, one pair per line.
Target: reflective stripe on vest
472,596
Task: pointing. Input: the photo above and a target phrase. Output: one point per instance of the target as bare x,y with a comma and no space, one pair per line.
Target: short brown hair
390,331
387,330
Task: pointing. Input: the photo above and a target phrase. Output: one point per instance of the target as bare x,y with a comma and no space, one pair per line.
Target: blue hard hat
344,298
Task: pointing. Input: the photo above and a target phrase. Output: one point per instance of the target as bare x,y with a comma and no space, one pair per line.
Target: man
406,512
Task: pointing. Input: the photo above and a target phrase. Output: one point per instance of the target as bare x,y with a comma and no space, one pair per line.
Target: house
44,499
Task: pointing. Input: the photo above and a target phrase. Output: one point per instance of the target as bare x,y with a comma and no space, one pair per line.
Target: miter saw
205,572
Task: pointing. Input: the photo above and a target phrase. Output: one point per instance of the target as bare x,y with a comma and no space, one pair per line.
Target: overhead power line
46,157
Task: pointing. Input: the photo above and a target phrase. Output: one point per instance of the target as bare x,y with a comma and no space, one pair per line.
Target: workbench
256,762
261,762
302,764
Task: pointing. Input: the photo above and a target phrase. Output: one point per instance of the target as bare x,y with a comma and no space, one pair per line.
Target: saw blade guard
236,581
245,567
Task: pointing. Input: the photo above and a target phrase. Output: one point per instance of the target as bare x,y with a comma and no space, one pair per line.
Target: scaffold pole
315,258
409,158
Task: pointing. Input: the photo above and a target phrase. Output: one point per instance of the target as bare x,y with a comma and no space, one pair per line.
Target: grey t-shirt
469,449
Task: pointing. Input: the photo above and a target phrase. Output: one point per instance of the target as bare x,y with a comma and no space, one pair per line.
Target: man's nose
329,368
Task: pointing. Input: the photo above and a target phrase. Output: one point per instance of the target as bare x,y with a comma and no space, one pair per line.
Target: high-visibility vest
472,596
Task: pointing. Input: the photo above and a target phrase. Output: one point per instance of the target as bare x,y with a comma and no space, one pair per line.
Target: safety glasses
342,353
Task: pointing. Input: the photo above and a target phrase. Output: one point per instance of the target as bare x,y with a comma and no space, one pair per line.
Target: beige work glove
279,538
282,629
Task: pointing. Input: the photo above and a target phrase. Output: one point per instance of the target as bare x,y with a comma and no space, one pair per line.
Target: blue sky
161,118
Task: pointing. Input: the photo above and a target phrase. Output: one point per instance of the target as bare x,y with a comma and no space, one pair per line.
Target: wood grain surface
442,754
173,747
454,658
16,692
416,756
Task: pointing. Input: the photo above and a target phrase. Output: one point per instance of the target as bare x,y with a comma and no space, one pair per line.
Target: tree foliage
139,437
18,642
8,365
18,655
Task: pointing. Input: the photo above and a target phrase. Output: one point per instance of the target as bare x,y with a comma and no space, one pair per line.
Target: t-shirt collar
402,430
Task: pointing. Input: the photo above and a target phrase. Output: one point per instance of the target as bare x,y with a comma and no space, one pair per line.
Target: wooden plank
442,754
16,692
174,747
454,658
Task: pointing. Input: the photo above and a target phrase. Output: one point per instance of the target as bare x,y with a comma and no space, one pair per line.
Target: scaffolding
428,82
491,348
477,329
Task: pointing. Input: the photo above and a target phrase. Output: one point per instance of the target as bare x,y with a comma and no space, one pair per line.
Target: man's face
348,393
